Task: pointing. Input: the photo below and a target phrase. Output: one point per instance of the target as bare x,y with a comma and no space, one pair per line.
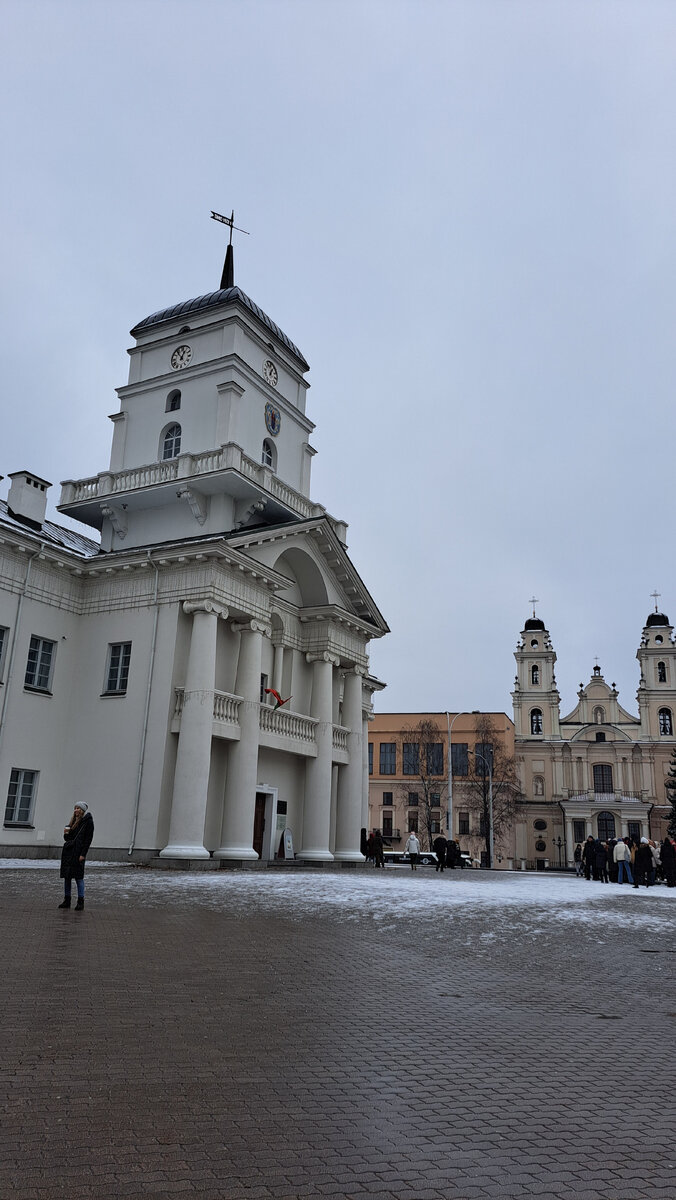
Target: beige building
599,770
408,781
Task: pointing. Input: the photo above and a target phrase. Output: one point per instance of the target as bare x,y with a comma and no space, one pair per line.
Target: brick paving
181,1042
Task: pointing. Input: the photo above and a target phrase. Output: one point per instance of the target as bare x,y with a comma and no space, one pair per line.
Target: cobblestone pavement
403,1035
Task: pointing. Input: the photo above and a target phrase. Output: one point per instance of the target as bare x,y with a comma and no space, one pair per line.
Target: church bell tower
536,697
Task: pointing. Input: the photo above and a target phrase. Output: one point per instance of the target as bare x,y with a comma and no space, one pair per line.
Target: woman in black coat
78,836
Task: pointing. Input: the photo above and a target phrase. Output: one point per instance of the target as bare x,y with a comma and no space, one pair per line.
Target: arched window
171,442
661,672
536,720
599,715
269,454
535,674
605,822
666,723
173,401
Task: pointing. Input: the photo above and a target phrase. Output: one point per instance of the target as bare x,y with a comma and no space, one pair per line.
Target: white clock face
181,357
270,372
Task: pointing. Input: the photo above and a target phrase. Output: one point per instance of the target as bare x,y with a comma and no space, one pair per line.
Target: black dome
534,623
657,619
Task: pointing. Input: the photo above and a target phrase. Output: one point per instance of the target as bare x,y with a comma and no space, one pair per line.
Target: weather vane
228,276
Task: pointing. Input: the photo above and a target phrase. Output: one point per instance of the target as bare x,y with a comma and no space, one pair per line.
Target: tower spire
228,275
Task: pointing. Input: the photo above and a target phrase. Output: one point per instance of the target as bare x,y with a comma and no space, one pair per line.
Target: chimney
27,499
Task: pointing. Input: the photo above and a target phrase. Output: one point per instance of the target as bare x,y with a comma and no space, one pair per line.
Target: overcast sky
464,215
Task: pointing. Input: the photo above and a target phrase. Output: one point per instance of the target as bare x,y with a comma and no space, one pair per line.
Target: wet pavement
389,1034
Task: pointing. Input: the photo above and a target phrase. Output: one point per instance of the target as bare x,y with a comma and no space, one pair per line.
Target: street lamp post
449,783
489,768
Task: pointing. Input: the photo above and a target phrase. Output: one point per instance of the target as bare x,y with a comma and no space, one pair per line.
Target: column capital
251,627
205,606
355,670
323,656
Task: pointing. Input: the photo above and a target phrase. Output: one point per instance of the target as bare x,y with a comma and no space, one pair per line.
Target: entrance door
259,823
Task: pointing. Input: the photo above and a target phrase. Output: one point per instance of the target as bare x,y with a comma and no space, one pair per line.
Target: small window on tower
173,401
536,721
665,722
661,672
269,455
535,674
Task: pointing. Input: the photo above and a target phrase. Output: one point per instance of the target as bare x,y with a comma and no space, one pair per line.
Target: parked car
427,857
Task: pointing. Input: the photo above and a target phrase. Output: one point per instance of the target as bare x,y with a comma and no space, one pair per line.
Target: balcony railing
281,722
592,797
188,466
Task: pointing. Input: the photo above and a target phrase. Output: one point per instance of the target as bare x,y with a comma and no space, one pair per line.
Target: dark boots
65,903
80,904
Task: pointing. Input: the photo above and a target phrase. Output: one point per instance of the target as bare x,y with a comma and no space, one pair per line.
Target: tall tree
424,764
489,757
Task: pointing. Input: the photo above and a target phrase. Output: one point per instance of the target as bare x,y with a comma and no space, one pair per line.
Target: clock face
273,419
181,357
270,372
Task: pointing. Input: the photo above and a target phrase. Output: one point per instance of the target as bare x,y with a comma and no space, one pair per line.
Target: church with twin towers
194,664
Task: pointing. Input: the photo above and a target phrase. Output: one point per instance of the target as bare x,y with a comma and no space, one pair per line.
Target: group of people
448,852
643,862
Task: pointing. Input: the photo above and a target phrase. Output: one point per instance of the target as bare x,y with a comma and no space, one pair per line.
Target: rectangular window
436,827
410,758
388,758
483,756
463,823
412,799
40,664
387,825
579,831
603,778
20,796
370,758
435,799
3,642
459,758
387,798
412,822
435,758
117,673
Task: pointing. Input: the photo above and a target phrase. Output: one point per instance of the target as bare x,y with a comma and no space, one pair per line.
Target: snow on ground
528,900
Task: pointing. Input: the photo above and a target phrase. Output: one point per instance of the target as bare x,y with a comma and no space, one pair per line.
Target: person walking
78,836
643,863
412,848
577,859
378,847
439,846
668,856
589,858
622,856
601,862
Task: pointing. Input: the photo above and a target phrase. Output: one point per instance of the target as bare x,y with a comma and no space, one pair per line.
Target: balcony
82,498
603,799
280,729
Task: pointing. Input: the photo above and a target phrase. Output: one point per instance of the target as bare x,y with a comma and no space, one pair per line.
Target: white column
193,759
317,807
278,669
366,779
242,769
351,775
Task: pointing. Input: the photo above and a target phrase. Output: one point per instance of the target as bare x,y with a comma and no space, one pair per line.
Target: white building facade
134,663
598,770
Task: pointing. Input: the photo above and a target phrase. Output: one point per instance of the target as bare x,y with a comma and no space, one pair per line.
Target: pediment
320,573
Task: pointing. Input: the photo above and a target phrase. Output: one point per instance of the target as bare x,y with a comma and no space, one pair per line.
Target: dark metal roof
232,295
51,534
656,618
534,623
